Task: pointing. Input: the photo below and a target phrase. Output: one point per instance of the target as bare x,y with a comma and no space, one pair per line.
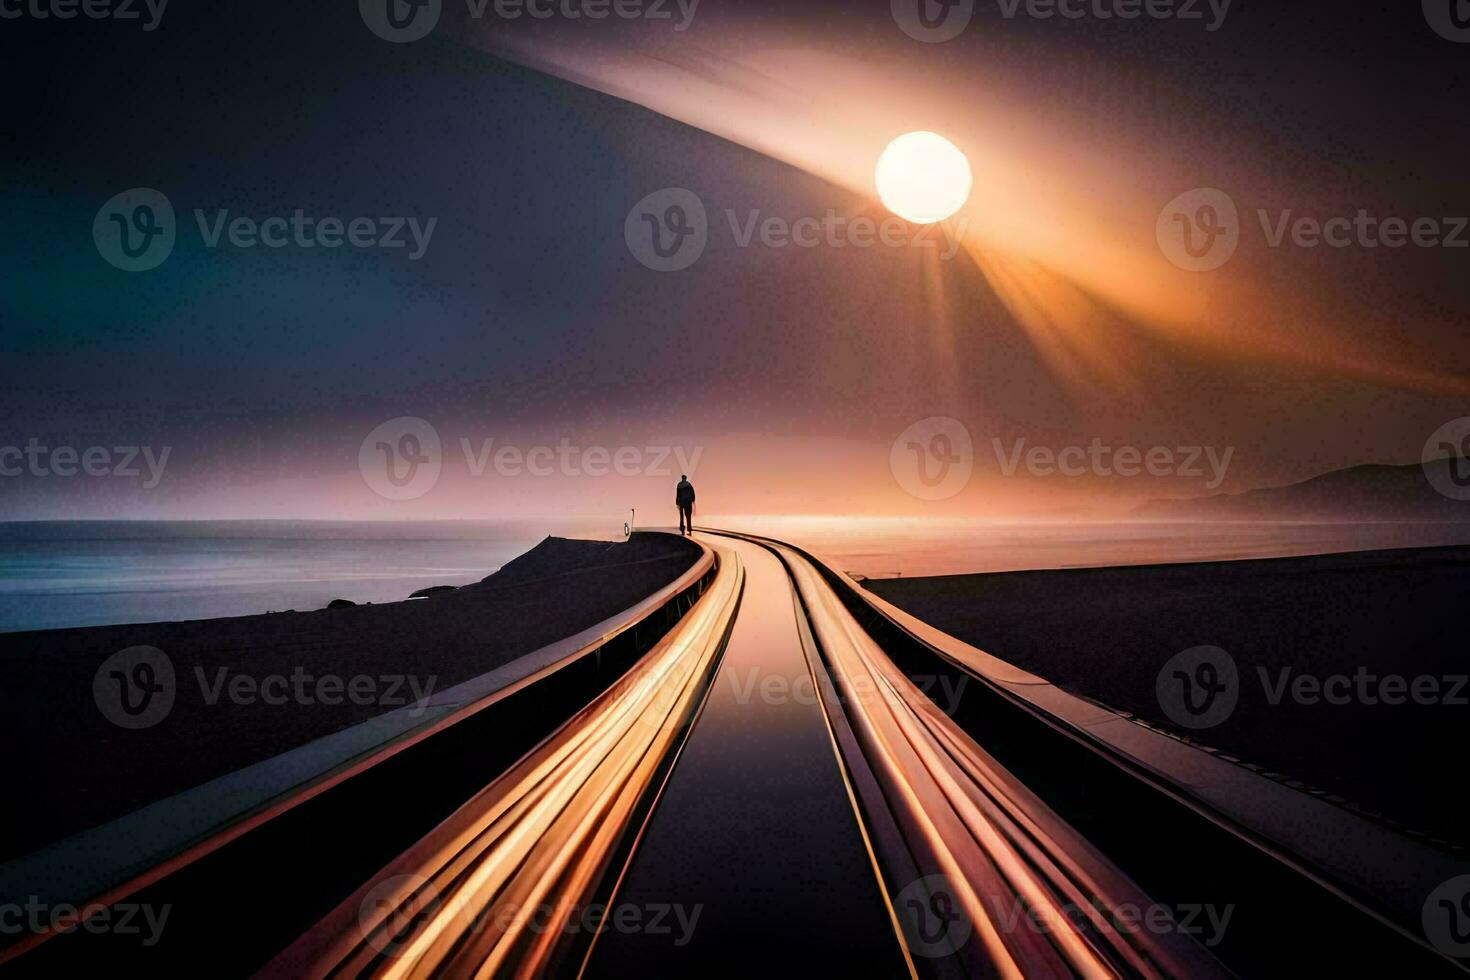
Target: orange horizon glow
1059,222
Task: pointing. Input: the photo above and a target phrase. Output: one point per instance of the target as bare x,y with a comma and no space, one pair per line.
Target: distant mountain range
1372,491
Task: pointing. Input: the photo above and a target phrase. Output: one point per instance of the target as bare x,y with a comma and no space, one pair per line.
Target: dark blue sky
527,314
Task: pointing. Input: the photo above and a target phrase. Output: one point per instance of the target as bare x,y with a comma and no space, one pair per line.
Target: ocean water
90,573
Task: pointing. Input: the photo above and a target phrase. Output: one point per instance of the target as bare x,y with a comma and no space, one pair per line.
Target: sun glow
922,177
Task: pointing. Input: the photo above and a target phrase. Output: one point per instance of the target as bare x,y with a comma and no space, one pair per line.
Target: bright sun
922,177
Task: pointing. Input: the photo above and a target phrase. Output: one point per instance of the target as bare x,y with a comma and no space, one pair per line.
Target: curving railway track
797,776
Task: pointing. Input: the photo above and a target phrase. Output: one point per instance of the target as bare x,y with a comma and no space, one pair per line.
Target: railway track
976,833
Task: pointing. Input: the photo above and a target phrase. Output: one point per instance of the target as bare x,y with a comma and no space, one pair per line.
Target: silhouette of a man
684,500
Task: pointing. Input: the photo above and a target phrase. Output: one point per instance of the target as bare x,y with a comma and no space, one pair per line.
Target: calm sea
89,573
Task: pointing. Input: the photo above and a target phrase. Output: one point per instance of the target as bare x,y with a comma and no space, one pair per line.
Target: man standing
684,500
